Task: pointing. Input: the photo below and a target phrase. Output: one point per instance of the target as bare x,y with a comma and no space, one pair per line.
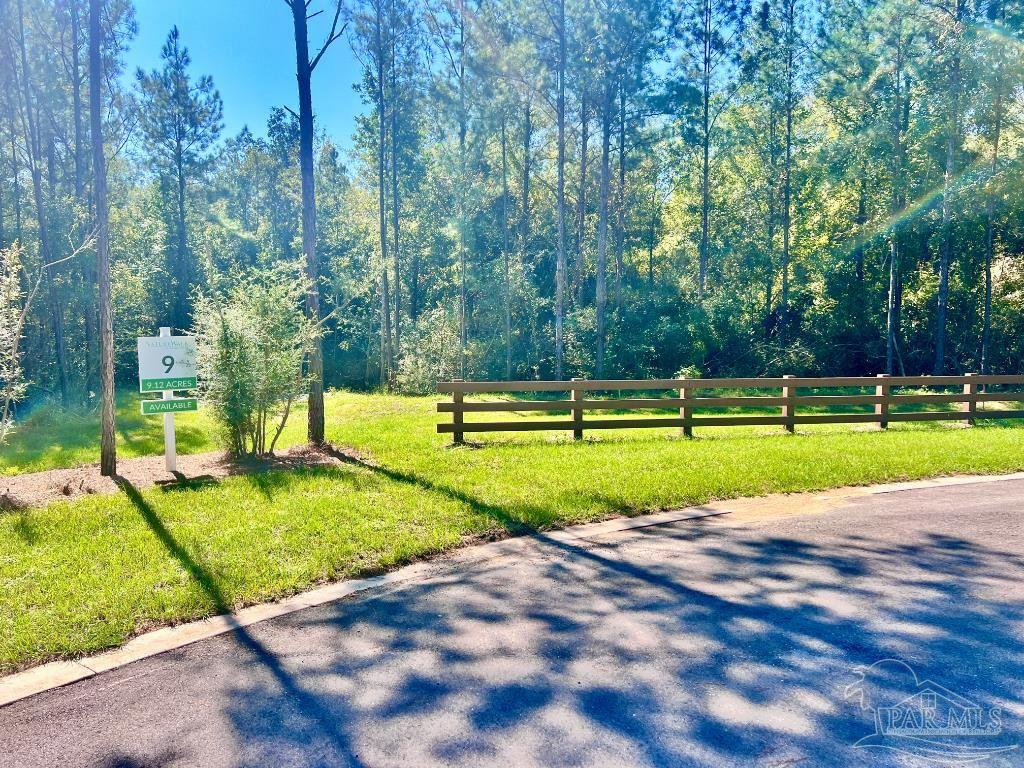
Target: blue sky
247,47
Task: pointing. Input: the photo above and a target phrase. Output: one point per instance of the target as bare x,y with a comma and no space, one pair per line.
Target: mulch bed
37,489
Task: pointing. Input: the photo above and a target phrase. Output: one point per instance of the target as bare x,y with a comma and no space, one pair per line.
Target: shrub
252,340
13,309
431,353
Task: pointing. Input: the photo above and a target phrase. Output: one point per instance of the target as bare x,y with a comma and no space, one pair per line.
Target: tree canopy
544,188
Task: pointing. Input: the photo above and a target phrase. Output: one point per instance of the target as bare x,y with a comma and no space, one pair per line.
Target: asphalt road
703,643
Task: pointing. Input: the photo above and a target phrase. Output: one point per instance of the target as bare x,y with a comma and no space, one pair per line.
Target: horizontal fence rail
969,397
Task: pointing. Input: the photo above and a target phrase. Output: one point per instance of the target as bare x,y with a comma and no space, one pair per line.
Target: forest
535,189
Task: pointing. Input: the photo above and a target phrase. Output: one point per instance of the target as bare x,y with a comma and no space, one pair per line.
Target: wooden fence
972,391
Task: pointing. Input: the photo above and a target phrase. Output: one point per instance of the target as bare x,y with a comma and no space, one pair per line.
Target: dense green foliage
251,342
785,186
12,311
84,575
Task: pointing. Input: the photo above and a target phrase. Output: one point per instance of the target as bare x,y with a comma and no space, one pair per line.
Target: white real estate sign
167,364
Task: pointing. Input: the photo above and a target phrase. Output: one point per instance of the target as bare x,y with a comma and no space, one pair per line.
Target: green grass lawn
79,576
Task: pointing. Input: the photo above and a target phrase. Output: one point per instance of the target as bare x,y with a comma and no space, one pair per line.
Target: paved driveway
704,642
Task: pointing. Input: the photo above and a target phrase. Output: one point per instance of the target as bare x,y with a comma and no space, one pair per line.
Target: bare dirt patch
38,489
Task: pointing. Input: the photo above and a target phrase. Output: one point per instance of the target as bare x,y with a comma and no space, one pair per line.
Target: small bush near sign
252,343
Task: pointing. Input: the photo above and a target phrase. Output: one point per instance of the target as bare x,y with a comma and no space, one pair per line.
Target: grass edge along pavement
46,677
82,576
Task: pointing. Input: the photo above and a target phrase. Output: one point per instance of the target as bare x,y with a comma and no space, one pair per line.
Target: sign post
167,364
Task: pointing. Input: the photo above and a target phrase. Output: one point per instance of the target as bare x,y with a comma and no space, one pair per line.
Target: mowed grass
52,438
80,576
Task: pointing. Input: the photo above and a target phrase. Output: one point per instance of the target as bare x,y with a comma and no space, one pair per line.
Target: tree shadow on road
693,643
309,719
687,644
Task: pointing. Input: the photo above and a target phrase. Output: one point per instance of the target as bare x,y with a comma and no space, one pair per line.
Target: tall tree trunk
414,286
76,105
860,220
108,449
893,302
787,190
705,168
771,218
524,223
182,265
3,211
461,193
16,185
382,211
303,72
620,193
581,214
892,315
990,203
505,250
560,201
395,202
946,250
602,225
652,237
34,147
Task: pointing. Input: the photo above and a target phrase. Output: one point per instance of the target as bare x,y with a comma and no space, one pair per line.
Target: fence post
789,410
577,410
457,412
685,411
882,408
970,407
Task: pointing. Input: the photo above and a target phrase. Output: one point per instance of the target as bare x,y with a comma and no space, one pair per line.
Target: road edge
57,674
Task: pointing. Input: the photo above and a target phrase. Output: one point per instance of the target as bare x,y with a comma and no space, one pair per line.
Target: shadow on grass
512,522
326,722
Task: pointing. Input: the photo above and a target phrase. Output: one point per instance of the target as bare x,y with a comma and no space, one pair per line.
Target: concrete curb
742,511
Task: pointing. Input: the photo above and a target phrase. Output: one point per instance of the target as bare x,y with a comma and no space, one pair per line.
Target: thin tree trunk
3,211
602,226
771,219
32,139
182,268
108,443
461,193
787,193
505,250
560,202
414,286
76,106
18,235
893,302
581,224
652,235
946,251
395,202
385,297
860,221
892,317
620,192
990,205
524,224
315,425
705,171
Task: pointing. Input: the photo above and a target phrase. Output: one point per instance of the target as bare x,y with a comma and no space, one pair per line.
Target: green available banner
159,385
176,405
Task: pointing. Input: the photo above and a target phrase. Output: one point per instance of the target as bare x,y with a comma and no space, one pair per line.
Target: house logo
925,719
